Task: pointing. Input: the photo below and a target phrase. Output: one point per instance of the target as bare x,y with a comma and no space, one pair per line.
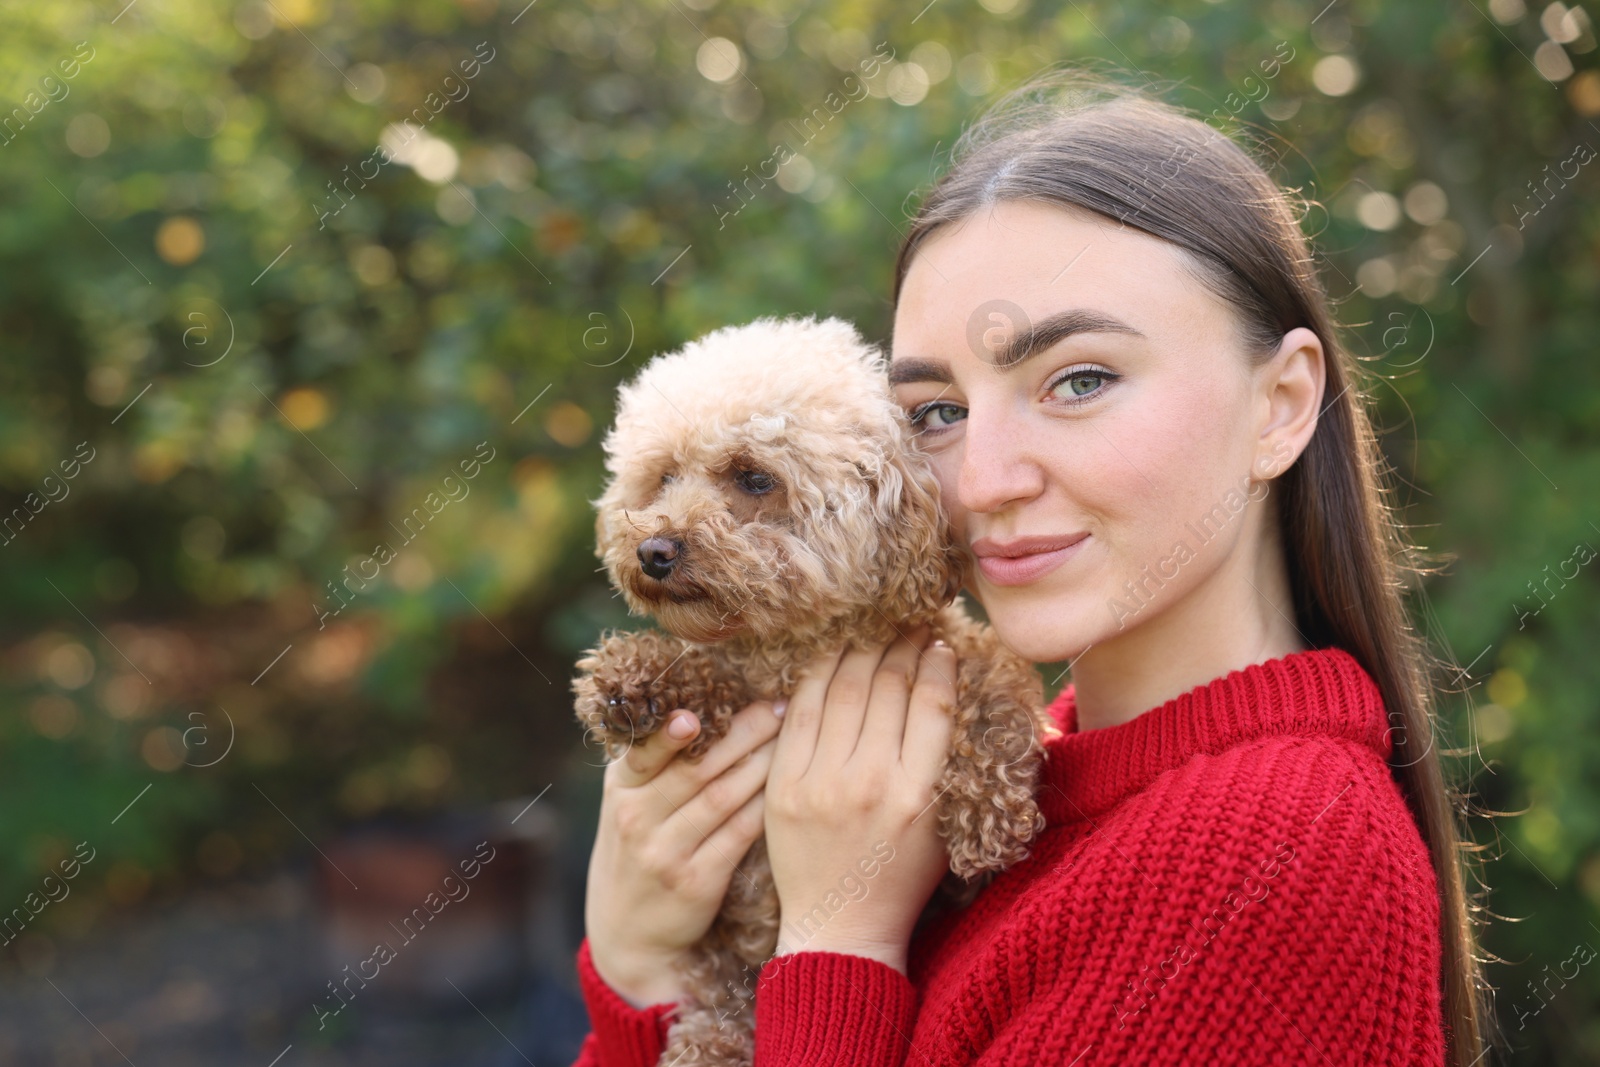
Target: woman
1109,331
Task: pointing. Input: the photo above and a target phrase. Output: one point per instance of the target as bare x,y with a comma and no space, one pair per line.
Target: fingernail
680,727
780,706
938,643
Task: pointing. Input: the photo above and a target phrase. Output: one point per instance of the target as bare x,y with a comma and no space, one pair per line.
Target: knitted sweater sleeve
1294,921
811,1008
620,1034
834,1009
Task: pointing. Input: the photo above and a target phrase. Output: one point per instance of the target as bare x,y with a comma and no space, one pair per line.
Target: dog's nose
658,555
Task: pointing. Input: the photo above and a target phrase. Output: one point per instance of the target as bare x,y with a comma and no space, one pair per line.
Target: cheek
1187,433
1151,471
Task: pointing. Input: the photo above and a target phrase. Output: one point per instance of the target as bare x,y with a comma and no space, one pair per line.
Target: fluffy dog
766,502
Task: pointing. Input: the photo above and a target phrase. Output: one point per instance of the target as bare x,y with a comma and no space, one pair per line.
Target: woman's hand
850,795
671,833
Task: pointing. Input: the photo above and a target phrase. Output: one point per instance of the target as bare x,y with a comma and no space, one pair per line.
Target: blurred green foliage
268,392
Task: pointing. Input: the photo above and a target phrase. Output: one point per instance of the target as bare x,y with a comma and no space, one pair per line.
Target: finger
930,716
846,703
884,726
645,759
698,817
751,726
798,741
726,845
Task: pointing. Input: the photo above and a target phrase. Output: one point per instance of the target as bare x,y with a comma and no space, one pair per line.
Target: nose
658,555
997,462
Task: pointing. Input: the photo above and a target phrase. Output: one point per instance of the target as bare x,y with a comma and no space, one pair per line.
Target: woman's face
1119,458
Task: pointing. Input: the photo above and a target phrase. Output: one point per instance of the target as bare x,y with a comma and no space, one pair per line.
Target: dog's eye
755,482
666,477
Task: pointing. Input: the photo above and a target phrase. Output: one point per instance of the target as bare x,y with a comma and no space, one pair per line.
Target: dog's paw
619,710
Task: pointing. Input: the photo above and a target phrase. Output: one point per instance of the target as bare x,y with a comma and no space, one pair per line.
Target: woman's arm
835,1009
621,1034
855,852
852,776
659,872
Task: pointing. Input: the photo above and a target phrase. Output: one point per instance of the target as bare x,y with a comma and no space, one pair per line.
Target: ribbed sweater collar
1319,692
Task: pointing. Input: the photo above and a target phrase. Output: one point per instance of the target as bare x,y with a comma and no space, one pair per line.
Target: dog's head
765,483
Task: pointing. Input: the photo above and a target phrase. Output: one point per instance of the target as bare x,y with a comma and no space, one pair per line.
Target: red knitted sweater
1231,878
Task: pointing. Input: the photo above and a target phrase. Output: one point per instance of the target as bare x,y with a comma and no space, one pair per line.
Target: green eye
755,482
1082,386
936,415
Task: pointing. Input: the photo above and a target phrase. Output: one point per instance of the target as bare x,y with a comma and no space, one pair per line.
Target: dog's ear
921,567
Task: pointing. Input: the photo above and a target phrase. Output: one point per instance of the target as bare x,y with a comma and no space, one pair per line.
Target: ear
921,566
1292,385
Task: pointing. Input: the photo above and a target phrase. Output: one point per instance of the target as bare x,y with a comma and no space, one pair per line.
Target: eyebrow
1034,339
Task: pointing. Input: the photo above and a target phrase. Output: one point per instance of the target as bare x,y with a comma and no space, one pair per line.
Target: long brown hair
1080,140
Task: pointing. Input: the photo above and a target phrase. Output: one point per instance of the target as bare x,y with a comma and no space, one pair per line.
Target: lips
1025,559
